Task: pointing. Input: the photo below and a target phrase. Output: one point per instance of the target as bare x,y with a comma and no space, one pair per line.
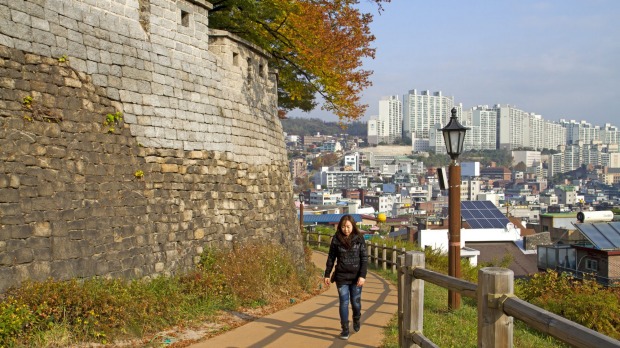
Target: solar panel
604,235
466,214
474,223
489,205
483,214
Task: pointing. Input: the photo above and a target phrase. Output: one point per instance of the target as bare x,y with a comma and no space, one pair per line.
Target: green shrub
15,317
61,313
583,301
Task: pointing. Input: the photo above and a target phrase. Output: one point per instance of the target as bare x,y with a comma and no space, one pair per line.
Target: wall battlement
199,121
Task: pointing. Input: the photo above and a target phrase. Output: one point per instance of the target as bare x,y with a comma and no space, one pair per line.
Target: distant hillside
311,126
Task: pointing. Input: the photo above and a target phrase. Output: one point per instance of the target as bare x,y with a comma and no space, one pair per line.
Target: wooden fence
496,303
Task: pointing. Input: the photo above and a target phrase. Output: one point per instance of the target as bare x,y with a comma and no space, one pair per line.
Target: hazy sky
555,58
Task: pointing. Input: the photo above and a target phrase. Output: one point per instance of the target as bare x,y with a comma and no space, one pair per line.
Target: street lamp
454,137
301,212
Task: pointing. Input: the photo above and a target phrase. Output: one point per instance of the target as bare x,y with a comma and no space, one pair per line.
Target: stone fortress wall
197,159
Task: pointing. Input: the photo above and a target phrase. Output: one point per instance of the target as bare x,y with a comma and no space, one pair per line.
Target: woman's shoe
356,324
345,331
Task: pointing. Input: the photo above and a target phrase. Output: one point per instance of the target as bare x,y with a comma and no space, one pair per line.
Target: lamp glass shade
301,198
454,136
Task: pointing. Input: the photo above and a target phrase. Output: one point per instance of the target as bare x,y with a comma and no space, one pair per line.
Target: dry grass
227,289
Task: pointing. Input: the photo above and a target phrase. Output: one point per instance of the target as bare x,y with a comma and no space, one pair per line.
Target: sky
555,58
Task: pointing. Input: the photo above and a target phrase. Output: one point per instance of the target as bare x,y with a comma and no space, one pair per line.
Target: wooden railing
318,239
497,305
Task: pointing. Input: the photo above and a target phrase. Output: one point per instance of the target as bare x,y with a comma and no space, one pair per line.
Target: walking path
314,323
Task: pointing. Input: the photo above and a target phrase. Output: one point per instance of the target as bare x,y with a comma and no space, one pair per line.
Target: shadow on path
315,323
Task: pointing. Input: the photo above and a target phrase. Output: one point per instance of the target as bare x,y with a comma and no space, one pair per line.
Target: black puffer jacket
352,263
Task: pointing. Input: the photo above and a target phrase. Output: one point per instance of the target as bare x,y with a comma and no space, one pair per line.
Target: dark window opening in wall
261,70
235,59
184,18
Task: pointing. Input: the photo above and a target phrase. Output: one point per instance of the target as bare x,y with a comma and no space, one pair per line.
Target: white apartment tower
423,111
610,134
583,132
483,128
554,135
510,128
391,113
387,127
377,131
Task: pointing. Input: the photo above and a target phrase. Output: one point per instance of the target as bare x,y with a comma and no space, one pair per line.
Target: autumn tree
317,46
326,160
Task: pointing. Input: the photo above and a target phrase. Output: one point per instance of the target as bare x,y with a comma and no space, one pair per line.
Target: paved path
314,323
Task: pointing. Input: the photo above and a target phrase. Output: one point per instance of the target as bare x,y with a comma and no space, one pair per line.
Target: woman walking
348,251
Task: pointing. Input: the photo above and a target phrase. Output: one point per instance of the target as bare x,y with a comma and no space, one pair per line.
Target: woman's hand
361,281
327,281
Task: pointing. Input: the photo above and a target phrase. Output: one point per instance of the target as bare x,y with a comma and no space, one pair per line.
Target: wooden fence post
384,256
369,252
401,298
413,308
376,253
495,328
318,239
394,256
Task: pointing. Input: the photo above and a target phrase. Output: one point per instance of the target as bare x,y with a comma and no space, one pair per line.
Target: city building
423,111
567,195
529,158
387,127
353,161
330,178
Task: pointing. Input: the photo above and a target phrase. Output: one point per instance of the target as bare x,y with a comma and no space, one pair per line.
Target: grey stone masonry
131,139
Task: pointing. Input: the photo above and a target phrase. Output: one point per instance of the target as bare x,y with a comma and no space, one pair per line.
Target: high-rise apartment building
377,131
424,110
585,133
391,113
483,128
553,135
510,127
610,134
387,127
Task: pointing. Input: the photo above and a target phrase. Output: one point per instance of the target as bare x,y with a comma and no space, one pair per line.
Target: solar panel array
483,214
604,235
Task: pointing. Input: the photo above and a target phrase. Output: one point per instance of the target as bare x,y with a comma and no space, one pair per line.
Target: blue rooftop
328,218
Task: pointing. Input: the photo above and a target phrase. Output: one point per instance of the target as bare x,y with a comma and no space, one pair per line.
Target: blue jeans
350,293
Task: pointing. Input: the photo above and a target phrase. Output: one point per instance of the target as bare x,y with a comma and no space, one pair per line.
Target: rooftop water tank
595,216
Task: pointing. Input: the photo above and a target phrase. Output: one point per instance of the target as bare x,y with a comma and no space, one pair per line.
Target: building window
591,265
184,18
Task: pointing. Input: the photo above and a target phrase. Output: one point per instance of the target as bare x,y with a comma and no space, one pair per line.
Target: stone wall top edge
202,3
216,33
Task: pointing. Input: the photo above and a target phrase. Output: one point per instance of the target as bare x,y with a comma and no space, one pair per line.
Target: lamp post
301,212
454,136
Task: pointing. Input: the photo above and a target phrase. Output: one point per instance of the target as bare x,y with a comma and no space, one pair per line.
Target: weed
62,59
139,174
27,101
112,120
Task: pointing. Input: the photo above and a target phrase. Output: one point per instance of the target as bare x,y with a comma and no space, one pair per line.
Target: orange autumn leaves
317,47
